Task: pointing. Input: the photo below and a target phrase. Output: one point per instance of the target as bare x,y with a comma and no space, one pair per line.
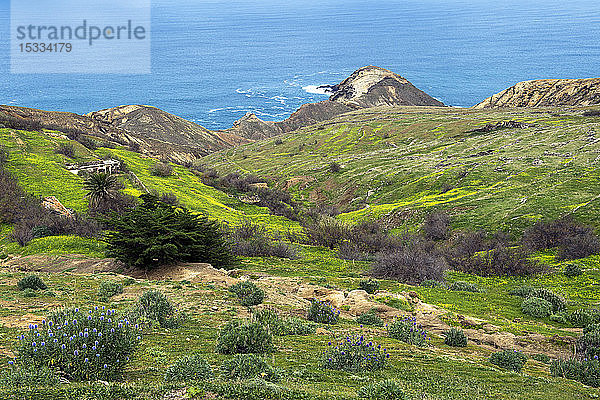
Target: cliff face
547,93
373,86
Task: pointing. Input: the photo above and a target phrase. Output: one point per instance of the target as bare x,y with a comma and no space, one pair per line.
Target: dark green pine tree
155,234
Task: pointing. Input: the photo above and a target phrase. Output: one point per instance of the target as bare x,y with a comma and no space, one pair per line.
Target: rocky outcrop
547,93
160,131
374,86
367,87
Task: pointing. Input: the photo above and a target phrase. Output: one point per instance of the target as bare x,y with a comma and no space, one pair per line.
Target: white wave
314,89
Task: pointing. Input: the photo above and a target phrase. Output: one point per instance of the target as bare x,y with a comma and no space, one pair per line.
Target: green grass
404,161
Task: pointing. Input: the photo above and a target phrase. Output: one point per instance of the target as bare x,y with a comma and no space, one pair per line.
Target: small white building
106,166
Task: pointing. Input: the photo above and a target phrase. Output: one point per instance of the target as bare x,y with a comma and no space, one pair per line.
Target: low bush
586,371
572,270
536,307
543,358
354,354
191,368
27,375
248,293
32,282
573,239
369,285
408,331
369,318
244,337
582,318
522,291
384,390
501,261
162,169
152,307
511,360
283,326
588,345
591,328
334,167
455,338
323,313
253,240
437,226
462,286
558,303
249,366
109,289
430,283
412,262
326,231
83,346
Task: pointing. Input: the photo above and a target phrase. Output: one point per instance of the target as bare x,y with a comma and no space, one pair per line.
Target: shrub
153,306
192,368
162,169
455,338
369,285
462,286
334,167
4,155
536,307
369,318
243,338
572,270
32,282
109,289
248,293
155,234
326,231
408,331
582,318
543,358
437,226
501,261
430,283
586,371
354,354
28,375
412,262
558,303
522,291
588,345
511,360
253,240
323,313
283,326
574,240
66,149
84,346
249,366
591,328
560,317
384,390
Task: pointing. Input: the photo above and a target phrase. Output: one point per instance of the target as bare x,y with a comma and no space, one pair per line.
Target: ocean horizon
214,61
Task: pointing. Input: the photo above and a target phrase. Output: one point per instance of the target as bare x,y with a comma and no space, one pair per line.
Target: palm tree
101,187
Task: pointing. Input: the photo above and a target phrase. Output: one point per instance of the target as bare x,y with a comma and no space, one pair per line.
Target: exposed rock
374,86
547,93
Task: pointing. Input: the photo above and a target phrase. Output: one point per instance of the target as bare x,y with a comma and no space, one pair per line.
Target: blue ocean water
214,60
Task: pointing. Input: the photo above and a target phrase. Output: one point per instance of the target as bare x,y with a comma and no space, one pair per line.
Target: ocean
213,61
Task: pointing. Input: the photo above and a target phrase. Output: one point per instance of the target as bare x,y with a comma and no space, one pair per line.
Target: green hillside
40,171
396,161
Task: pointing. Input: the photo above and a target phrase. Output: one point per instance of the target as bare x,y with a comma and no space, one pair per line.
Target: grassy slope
41,172
404,159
